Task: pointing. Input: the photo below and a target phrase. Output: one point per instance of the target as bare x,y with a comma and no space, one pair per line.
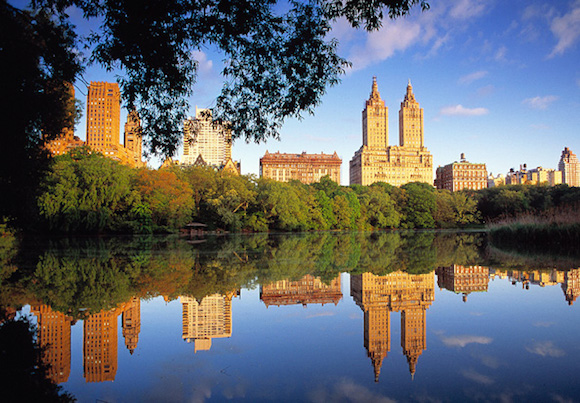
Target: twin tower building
376,161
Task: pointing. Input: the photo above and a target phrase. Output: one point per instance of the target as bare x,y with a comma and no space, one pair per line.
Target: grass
554,231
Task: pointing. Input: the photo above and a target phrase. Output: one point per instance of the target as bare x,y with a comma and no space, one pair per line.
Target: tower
205,138
375,120
133,142
103,117
570,167
410,121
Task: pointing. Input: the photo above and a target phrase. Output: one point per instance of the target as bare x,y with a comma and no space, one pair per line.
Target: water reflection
206,320
104,285
307,290
378,296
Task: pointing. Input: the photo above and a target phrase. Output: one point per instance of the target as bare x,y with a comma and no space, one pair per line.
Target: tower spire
375,95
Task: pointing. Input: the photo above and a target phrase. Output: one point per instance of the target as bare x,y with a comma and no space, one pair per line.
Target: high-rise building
103,118
202,322
205,141
376,161
307,290
378,296
306,168
570,167
461,175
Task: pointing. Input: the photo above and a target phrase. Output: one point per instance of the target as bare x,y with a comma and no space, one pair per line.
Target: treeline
86,275
85,192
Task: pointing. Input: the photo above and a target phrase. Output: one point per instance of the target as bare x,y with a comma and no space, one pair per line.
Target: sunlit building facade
570,167
205,141
376,161
461,175
306,168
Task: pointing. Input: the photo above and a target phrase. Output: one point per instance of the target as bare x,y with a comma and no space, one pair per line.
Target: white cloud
464,9
464,340
540,102
460,110
380,45
545,349
469,78
500,54
477,377
566,29
205,65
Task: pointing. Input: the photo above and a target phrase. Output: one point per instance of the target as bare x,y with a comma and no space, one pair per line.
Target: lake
317,317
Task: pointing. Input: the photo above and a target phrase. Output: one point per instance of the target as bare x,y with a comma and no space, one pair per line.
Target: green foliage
420,205
167,200
281,56
90,194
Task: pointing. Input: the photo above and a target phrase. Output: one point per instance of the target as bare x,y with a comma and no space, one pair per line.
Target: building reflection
378,296
571,285
131,323
53,336
463,279
307,290
100,346
100,333
206,320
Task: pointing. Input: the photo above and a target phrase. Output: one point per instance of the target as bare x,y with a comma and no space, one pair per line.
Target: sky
498,80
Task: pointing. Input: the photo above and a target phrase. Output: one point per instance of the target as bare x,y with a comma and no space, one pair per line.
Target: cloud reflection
347,390
475,376
464,340
545,349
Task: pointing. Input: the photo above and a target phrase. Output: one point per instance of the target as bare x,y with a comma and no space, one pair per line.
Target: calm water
317,317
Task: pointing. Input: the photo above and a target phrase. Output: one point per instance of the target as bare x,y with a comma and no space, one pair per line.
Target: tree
91,193
420,205
38,59
280,58
169,198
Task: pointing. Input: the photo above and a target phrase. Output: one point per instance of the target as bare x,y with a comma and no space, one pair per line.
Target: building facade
461,175
103,118
376,161
103,125
539,175
570,167
306,168
205,141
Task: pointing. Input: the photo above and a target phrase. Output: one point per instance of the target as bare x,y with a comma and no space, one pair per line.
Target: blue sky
498,81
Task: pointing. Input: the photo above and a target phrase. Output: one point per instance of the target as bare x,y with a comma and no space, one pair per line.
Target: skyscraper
376,161
570,167
103,118
205,141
